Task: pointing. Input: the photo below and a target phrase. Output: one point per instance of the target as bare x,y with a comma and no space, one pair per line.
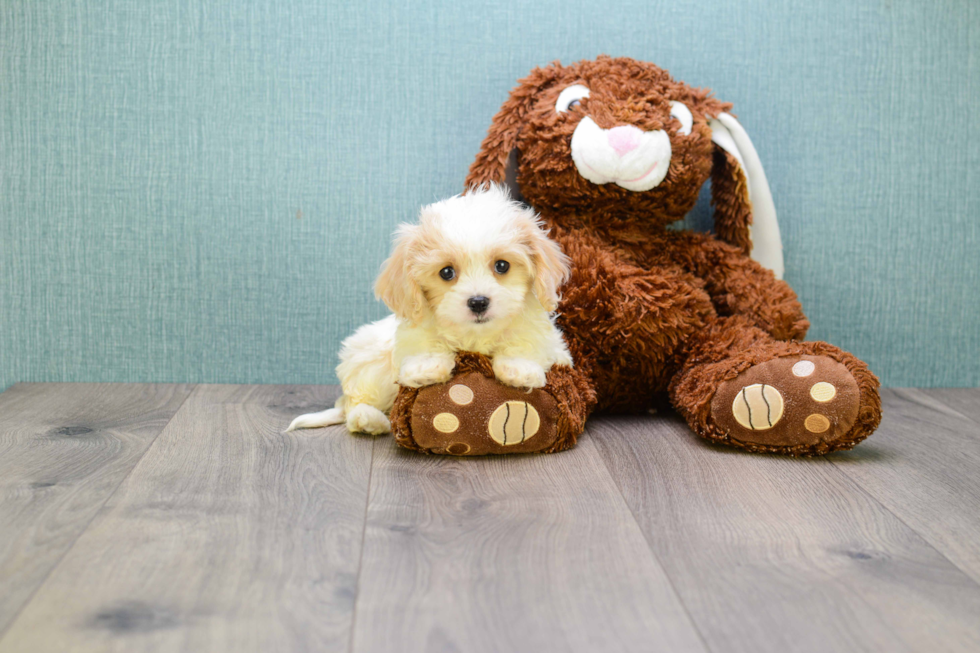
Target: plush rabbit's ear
497,160
745,215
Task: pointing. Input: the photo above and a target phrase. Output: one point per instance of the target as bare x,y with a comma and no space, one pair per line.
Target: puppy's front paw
519,372
426,369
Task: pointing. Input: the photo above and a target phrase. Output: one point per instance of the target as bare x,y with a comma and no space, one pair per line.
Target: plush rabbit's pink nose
624,139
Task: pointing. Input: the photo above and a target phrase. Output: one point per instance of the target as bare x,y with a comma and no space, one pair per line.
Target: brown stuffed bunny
610,152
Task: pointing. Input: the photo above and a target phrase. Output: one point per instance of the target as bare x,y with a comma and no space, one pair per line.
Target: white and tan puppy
477,273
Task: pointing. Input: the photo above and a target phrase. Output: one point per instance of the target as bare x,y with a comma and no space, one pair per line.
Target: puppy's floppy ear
551,265
395,285
498,149
745,215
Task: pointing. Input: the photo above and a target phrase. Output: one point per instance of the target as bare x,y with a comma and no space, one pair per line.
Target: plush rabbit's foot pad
788,402
473,414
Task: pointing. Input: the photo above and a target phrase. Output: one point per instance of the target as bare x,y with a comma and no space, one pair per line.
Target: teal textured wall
203,191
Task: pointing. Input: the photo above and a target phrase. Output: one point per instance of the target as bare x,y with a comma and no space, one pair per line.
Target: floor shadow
863,454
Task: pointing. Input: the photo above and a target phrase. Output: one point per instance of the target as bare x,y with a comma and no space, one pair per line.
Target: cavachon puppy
477,273
609,153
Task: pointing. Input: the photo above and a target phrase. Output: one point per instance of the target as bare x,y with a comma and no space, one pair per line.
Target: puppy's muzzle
478,304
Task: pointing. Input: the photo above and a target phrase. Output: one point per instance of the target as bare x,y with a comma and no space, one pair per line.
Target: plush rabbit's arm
739,285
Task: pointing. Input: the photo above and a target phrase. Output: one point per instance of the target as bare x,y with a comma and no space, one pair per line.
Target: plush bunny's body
610,152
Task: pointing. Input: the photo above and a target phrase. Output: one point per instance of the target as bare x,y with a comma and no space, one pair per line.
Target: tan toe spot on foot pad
816,423
513,423
803,368
823,392
445,422
461,394
758,407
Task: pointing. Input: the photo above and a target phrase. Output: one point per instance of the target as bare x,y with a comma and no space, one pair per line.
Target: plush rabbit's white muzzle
626,156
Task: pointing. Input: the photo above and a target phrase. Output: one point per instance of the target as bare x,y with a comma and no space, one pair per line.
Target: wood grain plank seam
360,557
857,484
939,398
95,515
653,554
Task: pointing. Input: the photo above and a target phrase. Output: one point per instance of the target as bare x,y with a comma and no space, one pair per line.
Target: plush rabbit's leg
739,285
741,387
474,414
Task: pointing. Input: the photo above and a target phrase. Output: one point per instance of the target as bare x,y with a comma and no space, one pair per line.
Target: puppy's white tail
327,417
366,371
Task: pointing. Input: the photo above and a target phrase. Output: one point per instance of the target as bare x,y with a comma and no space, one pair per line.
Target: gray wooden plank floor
777,554
227,536
64,448
926,470
177,518
534,553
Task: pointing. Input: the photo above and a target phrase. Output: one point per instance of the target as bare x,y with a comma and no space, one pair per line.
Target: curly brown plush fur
649,310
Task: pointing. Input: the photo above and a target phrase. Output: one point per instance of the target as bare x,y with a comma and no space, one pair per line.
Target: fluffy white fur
431,321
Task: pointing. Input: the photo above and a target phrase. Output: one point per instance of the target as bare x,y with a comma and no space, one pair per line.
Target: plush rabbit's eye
570,98
683,115
501,267
447,273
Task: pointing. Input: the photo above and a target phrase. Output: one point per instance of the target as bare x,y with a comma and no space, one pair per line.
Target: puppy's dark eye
573,104
501,267
447,273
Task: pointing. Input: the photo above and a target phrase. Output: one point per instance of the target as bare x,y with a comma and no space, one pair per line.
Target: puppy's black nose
478,304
